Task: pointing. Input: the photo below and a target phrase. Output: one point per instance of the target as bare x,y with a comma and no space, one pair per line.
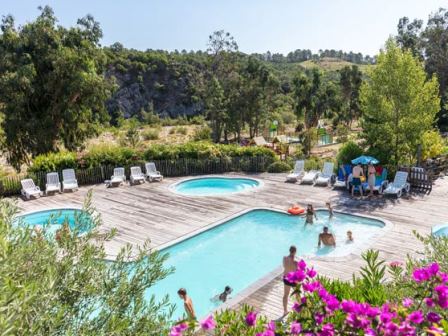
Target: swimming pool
440,230
53,219
208,186
246,248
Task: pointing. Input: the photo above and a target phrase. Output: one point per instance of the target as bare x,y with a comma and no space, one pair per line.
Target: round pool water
208,186
54,219
440,230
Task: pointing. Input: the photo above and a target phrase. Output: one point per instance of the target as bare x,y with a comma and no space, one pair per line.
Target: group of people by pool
358,175
325,238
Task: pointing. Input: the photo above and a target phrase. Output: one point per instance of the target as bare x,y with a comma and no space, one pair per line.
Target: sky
257,25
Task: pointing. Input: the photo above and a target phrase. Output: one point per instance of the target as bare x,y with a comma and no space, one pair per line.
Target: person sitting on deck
326,238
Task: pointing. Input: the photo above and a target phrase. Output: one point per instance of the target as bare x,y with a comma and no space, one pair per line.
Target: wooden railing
180,167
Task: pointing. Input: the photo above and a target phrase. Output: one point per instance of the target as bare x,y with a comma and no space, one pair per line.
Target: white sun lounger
152,173
310,177
325,177
69,181
30,189
136,175
53,183
297,173
399,184
117,178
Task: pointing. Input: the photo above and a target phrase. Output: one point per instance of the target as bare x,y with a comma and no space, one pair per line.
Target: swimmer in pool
349,237
326,238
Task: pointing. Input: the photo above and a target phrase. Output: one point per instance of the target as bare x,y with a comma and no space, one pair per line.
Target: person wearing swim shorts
356,182
289,265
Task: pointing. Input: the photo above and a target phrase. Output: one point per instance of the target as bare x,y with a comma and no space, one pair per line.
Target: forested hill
172,84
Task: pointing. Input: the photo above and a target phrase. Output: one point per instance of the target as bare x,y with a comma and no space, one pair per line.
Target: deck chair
69,181
399,185
381,183
310,177
152,173
325,177
342,178
53,183
297,173
29,189
136,175
117,178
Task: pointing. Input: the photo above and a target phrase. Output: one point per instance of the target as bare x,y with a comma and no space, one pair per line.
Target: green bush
342,131
349,151
150,134
110,155
279,167
202,133
53,162
181,130
314,163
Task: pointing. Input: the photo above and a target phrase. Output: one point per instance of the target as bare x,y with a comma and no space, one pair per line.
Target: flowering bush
319,312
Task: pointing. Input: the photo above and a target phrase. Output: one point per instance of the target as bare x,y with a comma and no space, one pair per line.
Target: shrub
150,134
432,144
53,162
181,130
342,131
348,151
106,154
202,133
313,163
279,167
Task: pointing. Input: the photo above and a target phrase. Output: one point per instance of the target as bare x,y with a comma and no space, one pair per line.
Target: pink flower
433,317
429,302
319,318
311,273
433,269
301,265
395,264
327,330
416,317
209,323
177,330
296,328
420,275
251,319
407,302
348,306
297,307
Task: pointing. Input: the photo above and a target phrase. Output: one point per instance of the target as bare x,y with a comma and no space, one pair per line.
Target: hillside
332,64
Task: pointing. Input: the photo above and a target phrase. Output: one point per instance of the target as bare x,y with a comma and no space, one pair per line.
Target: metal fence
180,167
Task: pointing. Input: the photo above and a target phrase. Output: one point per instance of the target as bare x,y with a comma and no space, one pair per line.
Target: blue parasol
364,159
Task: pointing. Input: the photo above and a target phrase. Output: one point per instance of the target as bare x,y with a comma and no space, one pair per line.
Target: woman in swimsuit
310,214
371,171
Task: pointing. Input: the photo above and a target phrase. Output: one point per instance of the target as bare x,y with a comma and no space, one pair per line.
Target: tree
52,87
408,37
314,98
435,44
64,286
350,84
399,105
215,107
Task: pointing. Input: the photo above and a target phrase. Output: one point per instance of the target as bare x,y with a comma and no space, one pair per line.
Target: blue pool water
208,186
54,219
248,247
440,230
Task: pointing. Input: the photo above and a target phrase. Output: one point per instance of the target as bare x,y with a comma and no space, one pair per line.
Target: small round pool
209,186
440,230
53,219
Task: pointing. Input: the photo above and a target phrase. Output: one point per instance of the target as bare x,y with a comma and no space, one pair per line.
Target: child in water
349,237
330,210
310,214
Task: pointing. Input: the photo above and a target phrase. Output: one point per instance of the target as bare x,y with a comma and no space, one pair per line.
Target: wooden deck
153,211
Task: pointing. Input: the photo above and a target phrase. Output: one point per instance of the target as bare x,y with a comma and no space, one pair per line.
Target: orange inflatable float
296,210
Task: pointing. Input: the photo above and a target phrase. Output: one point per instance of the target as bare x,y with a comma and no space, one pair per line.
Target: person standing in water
310,214
326,238
188,304
330,210
349,237
289,265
